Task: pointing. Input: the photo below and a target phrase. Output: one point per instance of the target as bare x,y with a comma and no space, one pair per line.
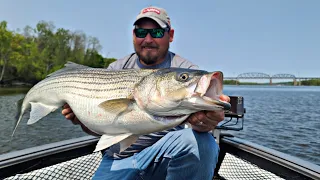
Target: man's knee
195,150
201,144
183,153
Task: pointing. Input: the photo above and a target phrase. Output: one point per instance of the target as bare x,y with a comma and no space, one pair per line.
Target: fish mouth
170,119
206,93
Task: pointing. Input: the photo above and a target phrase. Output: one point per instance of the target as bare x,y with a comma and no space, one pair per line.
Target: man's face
151,50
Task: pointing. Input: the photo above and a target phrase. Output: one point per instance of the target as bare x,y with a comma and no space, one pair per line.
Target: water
52,128
283,118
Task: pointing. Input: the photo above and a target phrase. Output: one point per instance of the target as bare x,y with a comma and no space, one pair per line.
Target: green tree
31,54
5,47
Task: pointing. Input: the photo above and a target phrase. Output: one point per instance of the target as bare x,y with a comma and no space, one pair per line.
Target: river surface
284,118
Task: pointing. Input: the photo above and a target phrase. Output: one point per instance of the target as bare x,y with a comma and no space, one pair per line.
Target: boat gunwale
45,155
277,158
254,153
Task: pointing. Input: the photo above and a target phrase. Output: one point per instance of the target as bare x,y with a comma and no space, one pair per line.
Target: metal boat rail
278,163
30,159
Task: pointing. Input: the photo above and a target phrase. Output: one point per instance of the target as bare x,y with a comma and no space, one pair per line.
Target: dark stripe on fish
87,82
100,73
87,89
93,76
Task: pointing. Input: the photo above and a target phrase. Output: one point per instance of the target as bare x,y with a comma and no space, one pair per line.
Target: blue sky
268,36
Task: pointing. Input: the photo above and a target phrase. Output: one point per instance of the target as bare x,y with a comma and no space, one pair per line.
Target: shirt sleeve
119,63
181,62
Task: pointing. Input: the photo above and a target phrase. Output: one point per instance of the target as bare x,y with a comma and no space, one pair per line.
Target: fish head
179,91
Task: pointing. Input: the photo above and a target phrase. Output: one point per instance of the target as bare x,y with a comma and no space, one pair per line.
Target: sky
232,36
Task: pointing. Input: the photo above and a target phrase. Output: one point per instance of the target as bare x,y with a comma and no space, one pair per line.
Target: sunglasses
155,33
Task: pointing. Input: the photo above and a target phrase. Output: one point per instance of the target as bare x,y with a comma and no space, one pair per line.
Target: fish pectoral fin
116,106
106,141
38,111
124,144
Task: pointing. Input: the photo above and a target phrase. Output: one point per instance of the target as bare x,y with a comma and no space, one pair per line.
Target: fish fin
106,141
68,67
38,111
124,144
18,116
116,106
19,105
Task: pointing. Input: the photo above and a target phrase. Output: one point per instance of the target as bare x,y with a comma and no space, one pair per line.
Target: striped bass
123,104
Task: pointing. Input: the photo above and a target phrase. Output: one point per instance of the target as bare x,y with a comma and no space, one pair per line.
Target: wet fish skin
121,105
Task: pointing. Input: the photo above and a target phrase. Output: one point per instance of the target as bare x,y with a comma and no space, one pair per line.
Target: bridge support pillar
270,81
295,82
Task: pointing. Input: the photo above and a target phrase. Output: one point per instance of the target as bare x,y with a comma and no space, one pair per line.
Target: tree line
30,54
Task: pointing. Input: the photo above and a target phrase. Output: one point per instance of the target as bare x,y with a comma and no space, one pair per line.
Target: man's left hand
205,121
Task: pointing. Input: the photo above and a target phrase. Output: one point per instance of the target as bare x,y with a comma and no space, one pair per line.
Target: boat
238,158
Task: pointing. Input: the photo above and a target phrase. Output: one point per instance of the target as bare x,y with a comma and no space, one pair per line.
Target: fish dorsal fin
69,66
38,111
116,106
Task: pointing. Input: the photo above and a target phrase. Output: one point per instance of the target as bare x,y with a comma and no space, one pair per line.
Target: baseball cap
157,14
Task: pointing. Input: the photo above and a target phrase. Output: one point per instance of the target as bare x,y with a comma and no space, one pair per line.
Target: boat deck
84,167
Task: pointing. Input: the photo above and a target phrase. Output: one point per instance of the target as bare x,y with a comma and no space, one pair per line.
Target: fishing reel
235,114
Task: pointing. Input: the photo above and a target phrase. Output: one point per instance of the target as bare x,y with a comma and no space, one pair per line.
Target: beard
150,58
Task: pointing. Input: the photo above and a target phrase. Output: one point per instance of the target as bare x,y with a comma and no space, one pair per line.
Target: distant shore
302,83
14,90
15,84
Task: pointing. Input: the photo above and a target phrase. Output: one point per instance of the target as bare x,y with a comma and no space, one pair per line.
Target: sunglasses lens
141,33
157,33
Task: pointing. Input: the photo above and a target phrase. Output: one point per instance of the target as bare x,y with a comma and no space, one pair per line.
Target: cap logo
151,10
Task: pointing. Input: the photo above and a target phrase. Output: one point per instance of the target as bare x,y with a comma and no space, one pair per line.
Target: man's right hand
68,114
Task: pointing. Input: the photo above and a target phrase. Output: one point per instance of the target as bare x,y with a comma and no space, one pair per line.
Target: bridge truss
258,75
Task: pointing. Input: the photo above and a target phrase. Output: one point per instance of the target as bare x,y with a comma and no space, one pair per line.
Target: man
178,153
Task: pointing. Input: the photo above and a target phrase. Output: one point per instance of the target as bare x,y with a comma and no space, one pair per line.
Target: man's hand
68,114
205,121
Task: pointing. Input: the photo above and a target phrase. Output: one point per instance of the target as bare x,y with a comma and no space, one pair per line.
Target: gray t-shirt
144,141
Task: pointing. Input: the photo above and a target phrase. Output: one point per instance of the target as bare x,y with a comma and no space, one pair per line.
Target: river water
284,118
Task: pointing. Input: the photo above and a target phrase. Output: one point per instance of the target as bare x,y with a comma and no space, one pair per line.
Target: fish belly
92,116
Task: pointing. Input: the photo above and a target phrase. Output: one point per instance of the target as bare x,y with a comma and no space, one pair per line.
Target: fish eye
184,77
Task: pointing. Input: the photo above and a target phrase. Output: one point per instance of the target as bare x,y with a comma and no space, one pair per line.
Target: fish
121,105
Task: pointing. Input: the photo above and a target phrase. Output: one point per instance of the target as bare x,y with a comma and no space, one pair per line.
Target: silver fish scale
92,83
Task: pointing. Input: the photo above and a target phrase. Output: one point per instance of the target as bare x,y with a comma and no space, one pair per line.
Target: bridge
259,75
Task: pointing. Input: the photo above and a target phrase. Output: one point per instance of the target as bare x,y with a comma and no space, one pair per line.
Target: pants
183,154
